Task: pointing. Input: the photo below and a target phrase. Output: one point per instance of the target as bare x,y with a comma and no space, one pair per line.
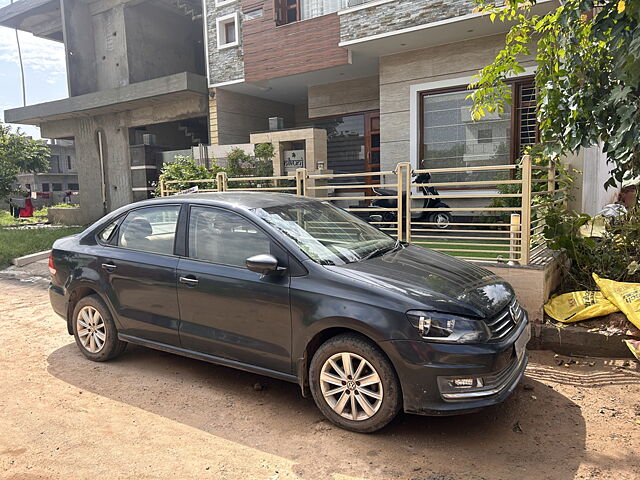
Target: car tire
376,404
93,328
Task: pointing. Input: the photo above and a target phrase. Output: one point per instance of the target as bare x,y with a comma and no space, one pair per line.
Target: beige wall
236,116
399,72
340,98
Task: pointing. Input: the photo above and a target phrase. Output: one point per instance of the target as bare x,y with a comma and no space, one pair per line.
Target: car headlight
446,328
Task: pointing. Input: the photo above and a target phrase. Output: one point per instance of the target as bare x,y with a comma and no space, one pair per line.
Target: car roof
245,200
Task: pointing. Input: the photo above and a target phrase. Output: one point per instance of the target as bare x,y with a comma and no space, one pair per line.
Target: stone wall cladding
398,15
225,65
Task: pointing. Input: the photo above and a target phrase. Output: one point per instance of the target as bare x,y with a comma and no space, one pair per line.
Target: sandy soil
155,415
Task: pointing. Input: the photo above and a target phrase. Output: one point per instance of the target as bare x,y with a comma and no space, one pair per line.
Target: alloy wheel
351,386
92,330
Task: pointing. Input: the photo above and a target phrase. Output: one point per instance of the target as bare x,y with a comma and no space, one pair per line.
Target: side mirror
375,218
264,264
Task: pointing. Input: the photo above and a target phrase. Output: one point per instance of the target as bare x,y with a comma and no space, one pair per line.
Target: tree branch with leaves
588,75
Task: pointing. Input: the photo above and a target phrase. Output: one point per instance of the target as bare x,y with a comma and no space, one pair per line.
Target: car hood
435,280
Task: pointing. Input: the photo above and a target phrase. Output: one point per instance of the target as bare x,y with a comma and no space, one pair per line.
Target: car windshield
327,234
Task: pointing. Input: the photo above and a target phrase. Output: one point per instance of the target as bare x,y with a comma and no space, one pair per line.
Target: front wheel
354,385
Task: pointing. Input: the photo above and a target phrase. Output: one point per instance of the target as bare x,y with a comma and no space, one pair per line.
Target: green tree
588,75
19,153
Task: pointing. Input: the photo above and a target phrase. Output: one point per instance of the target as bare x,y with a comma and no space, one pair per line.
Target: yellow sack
626,296
577,306
634,346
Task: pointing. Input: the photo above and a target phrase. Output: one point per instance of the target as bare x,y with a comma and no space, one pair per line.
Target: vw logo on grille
516,313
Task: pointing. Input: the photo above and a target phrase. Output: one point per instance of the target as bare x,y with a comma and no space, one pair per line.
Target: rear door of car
139,266
225,309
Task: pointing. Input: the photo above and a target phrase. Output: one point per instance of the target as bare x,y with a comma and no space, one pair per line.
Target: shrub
614,256
240,164
185,170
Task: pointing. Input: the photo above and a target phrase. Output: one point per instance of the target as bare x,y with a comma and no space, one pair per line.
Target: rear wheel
354,385
441,220
95,333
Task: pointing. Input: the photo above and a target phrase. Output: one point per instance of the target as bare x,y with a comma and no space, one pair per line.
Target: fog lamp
461,383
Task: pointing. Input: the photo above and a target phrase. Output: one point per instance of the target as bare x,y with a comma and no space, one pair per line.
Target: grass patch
16,243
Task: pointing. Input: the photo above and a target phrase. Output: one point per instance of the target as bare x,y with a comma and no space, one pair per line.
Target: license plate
521,344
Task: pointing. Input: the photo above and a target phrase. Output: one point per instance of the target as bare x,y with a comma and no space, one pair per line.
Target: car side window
107,234
225,238
151,229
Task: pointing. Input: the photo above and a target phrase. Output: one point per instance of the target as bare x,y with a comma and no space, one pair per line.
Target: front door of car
138,268
225,309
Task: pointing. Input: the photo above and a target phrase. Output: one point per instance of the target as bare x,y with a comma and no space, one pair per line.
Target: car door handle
109,267
189,281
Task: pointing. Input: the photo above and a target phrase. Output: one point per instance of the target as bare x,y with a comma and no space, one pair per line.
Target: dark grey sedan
299,290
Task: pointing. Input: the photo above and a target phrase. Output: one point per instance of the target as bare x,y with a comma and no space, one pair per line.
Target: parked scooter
440,220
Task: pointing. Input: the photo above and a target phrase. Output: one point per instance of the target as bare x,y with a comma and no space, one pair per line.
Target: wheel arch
321,337
77,293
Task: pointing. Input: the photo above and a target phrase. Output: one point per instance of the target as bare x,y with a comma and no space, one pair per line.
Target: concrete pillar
115,167
78,35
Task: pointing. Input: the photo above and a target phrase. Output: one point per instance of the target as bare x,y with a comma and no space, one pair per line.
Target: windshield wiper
382,251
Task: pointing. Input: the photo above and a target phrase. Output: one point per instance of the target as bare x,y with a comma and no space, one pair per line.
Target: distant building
62,176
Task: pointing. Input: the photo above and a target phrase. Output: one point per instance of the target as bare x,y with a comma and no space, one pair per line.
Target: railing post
301,181
221,181
162,188
525,235
514,237
401,177
407,205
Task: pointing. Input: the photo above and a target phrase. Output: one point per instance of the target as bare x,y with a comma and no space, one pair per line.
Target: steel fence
485,213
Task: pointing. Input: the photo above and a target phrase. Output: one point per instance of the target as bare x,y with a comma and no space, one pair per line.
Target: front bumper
426,371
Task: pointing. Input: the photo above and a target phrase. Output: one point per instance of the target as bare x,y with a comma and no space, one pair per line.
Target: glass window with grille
451,139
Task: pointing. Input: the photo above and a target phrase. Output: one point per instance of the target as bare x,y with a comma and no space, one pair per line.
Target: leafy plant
613,256
588,75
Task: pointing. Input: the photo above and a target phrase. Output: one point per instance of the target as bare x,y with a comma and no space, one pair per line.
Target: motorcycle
440,220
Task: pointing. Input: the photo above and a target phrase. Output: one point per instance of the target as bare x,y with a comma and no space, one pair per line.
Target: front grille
506,321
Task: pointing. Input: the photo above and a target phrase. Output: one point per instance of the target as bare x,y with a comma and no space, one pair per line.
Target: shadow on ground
536,433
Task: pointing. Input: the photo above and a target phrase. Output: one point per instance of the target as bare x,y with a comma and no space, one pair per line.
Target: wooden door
372,145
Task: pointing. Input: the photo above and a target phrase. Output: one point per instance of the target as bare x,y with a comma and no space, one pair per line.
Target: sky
44,71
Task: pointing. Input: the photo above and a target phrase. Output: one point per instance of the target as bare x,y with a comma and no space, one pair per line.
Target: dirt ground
154,415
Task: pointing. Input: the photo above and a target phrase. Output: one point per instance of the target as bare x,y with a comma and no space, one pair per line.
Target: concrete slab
28,259
167,89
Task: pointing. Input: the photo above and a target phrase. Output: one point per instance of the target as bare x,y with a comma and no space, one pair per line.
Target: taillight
52,267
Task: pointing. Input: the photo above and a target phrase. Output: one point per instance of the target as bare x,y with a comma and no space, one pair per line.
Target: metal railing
491,213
